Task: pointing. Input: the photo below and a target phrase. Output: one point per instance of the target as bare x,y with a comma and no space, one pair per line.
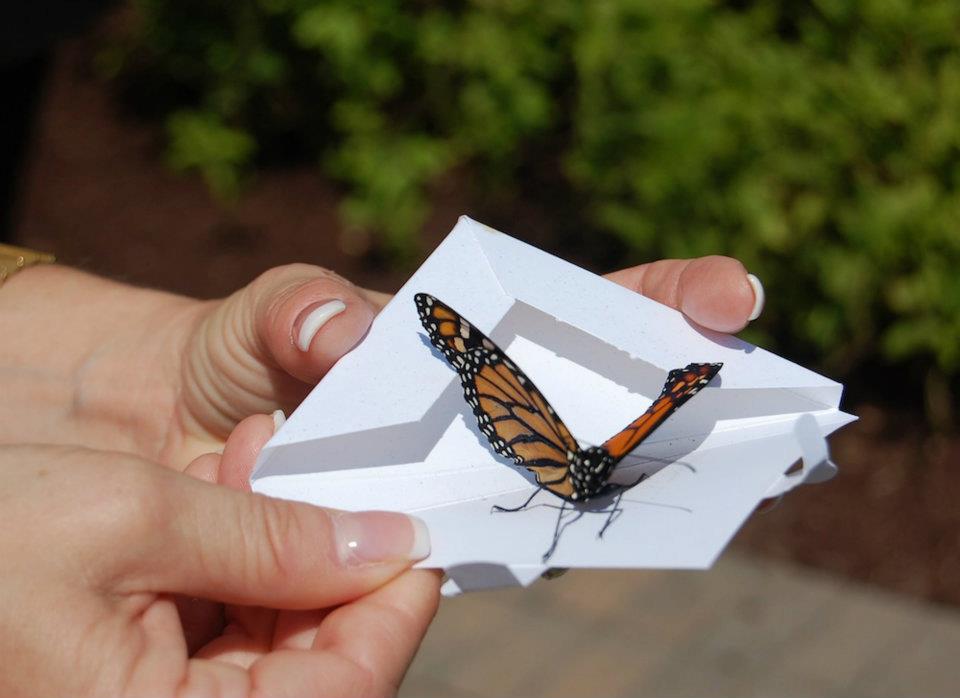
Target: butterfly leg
614,514
560,528
617,510
557,530
498,508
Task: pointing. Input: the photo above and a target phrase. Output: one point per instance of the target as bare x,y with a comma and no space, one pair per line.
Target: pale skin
103,386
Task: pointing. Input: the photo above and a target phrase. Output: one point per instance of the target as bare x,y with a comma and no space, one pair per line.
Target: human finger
383,630
264,346
205,467
246,636
363,648
716,292
247,549
297,629
242,448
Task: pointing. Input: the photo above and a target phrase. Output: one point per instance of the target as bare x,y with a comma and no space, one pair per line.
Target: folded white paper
388,427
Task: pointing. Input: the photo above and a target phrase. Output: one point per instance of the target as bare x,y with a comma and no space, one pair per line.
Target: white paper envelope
388,427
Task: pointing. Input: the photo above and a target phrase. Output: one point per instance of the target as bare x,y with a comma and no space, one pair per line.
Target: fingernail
758,295
278,420
312,318
368,537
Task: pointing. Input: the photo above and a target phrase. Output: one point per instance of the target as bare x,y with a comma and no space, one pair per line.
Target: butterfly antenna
633,461
630,460
633,484
687,510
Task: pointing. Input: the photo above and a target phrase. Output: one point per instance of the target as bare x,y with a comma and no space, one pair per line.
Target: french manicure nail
758,295
279,418
313,317
368,537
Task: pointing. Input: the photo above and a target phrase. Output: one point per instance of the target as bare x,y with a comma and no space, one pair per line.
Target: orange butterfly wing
682,384
511,412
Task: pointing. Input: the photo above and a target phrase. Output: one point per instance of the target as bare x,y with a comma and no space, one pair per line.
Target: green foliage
827,158
818,142
199,140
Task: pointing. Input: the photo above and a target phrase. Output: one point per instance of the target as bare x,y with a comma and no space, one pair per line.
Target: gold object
13,259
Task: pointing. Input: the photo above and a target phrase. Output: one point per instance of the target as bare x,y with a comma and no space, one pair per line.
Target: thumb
716,292
263,347
248,549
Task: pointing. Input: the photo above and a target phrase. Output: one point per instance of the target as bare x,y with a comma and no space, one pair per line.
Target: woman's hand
715,292
96,548
100,364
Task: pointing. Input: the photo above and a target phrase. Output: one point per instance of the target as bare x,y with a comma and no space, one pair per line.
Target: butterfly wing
514,416
682,384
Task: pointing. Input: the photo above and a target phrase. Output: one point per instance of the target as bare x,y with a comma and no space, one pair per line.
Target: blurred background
191,144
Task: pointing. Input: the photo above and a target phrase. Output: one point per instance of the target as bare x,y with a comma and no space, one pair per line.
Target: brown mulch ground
98,195
891,516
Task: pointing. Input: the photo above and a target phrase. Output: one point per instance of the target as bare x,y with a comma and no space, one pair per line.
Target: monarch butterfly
521,425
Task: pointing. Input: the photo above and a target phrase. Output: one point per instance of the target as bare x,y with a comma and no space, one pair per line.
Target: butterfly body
521,425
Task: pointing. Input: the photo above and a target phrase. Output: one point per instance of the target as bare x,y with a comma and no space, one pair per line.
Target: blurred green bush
817,141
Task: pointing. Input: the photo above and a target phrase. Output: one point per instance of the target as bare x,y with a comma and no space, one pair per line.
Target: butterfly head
590,468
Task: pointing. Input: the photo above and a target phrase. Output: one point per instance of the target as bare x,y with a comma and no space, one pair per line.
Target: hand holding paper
95,613
383,433
270,340
149,355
